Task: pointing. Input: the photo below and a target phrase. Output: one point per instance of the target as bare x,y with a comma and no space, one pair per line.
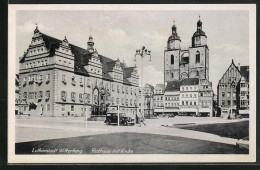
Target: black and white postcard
131,83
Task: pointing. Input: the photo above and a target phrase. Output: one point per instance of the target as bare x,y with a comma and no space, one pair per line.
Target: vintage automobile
112,118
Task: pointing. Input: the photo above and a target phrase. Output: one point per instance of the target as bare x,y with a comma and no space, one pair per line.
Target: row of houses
189,97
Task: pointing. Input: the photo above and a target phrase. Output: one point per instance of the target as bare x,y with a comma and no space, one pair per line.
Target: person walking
142,119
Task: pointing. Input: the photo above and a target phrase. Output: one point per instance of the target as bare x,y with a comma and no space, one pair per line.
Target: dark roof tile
173,86
190,81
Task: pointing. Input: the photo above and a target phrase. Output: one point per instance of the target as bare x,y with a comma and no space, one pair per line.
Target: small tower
90,44
199,38
174,40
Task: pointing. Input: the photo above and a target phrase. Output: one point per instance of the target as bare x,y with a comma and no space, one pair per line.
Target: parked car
243,143
112,118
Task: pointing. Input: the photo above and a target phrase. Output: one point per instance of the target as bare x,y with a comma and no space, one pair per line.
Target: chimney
238,66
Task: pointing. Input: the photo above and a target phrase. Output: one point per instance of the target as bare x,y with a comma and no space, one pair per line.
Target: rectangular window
48,77
48,94
48,107
223,102
64,78
40,94
72,108
228,94
228,102
63,108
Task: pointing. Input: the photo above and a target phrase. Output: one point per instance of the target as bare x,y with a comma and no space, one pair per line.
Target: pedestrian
142,119
41,109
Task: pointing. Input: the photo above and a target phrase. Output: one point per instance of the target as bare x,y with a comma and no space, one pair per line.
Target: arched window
172,59
197,57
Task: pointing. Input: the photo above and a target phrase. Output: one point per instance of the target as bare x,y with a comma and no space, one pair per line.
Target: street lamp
232,85
142,53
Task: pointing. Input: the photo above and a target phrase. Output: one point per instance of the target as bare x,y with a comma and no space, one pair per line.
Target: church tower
199,54
172,56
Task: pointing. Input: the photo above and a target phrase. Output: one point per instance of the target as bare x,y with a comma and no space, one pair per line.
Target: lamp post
232,84
142,53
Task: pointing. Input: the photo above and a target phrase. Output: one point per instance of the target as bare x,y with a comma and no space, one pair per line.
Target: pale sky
117,34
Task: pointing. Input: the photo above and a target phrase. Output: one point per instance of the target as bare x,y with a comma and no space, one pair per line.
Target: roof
159,86
150,86
190,81
17,79
82,57
173,86
244,70
128,71
174,37
199,33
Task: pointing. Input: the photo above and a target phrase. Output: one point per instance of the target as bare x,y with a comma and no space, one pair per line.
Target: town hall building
61,79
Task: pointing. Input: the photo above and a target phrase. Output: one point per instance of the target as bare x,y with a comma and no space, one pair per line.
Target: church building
182,63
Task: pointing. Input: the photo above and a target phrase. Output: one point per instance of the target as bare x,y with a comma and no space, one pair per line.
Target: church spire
199,24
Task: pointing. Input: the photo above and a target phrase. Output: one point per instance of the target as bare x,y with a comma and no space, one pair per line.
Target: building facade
158,99
233,89
172,97
61,79
148,103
